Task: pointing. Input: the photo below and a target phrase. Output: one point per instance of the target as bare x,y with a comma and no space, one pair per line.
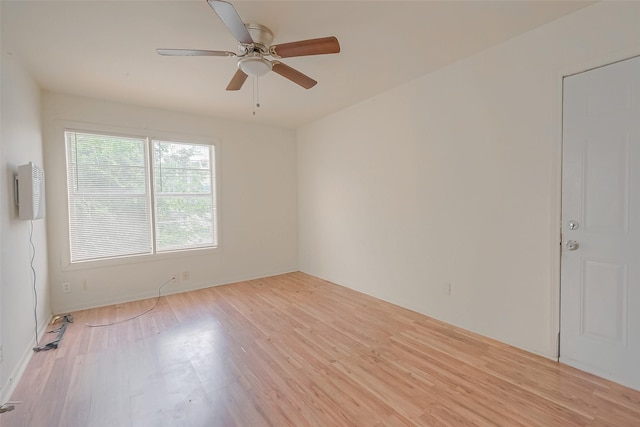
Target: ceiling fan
255,44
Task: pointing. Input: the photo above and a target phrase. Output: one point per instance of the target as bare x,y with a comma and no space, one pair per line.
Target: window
133,195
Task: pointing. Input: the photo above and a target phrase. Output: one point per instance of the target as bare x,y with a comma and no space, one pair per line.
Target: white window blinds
109,203
111,181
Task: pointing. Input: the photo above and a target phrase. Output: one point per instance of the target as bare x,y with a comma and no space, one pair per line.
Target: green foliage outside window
110,188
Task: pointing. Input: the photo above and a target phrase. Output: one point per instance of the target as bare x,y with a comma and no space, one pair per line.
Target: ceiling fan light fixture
254,66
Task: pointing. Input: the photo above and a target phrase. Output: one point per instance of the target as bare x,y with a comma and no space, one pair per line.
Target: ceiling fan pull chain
256,95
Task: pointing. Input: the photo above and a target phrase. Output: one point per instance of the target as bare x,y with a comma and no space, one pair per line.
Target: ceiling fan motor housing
261,35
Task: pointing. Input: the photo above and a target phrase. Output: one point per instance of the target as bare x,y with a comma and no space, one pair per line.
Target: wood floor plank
295,350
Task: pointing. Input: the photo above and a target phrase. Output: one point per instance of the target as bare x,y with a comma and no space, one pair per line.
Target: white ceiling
106,49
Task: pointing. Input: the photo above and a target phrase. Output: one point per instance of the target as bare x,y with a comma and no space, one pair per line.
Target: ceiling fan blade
232,20
193,52
306,47
293,75
237,80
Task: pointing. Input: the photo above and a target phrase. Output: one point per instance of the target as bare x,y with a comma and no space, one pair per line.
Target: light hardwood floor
294,350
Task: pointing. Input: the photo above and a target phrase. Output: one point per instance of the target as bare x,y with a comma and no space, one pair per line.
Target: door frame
556,203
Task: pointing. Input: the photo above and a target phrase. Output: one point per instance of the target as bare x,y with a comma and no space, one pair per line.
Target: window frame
150,136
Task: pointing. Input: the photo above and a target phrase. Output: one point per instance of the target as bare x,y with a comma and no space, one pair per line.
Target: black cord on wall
100,325
35,290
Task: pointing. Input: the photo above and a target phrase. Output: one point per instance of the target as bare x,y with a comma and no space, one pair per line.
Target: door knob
571,245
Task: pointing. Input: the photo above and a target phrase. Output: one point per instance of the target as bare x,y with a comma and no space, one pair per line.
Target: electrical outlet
176,278
66,287
185,276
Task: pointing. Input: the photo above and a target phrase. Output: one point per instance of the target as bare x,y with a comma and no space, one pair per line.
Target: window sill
138,259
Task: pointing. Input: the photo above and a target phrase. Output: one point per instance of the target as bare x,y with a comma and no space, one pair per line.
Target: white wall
21,142
257,202
455,178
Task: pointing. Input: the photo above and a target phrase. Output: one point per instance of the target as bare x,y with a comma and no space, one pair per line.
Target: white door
600,269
